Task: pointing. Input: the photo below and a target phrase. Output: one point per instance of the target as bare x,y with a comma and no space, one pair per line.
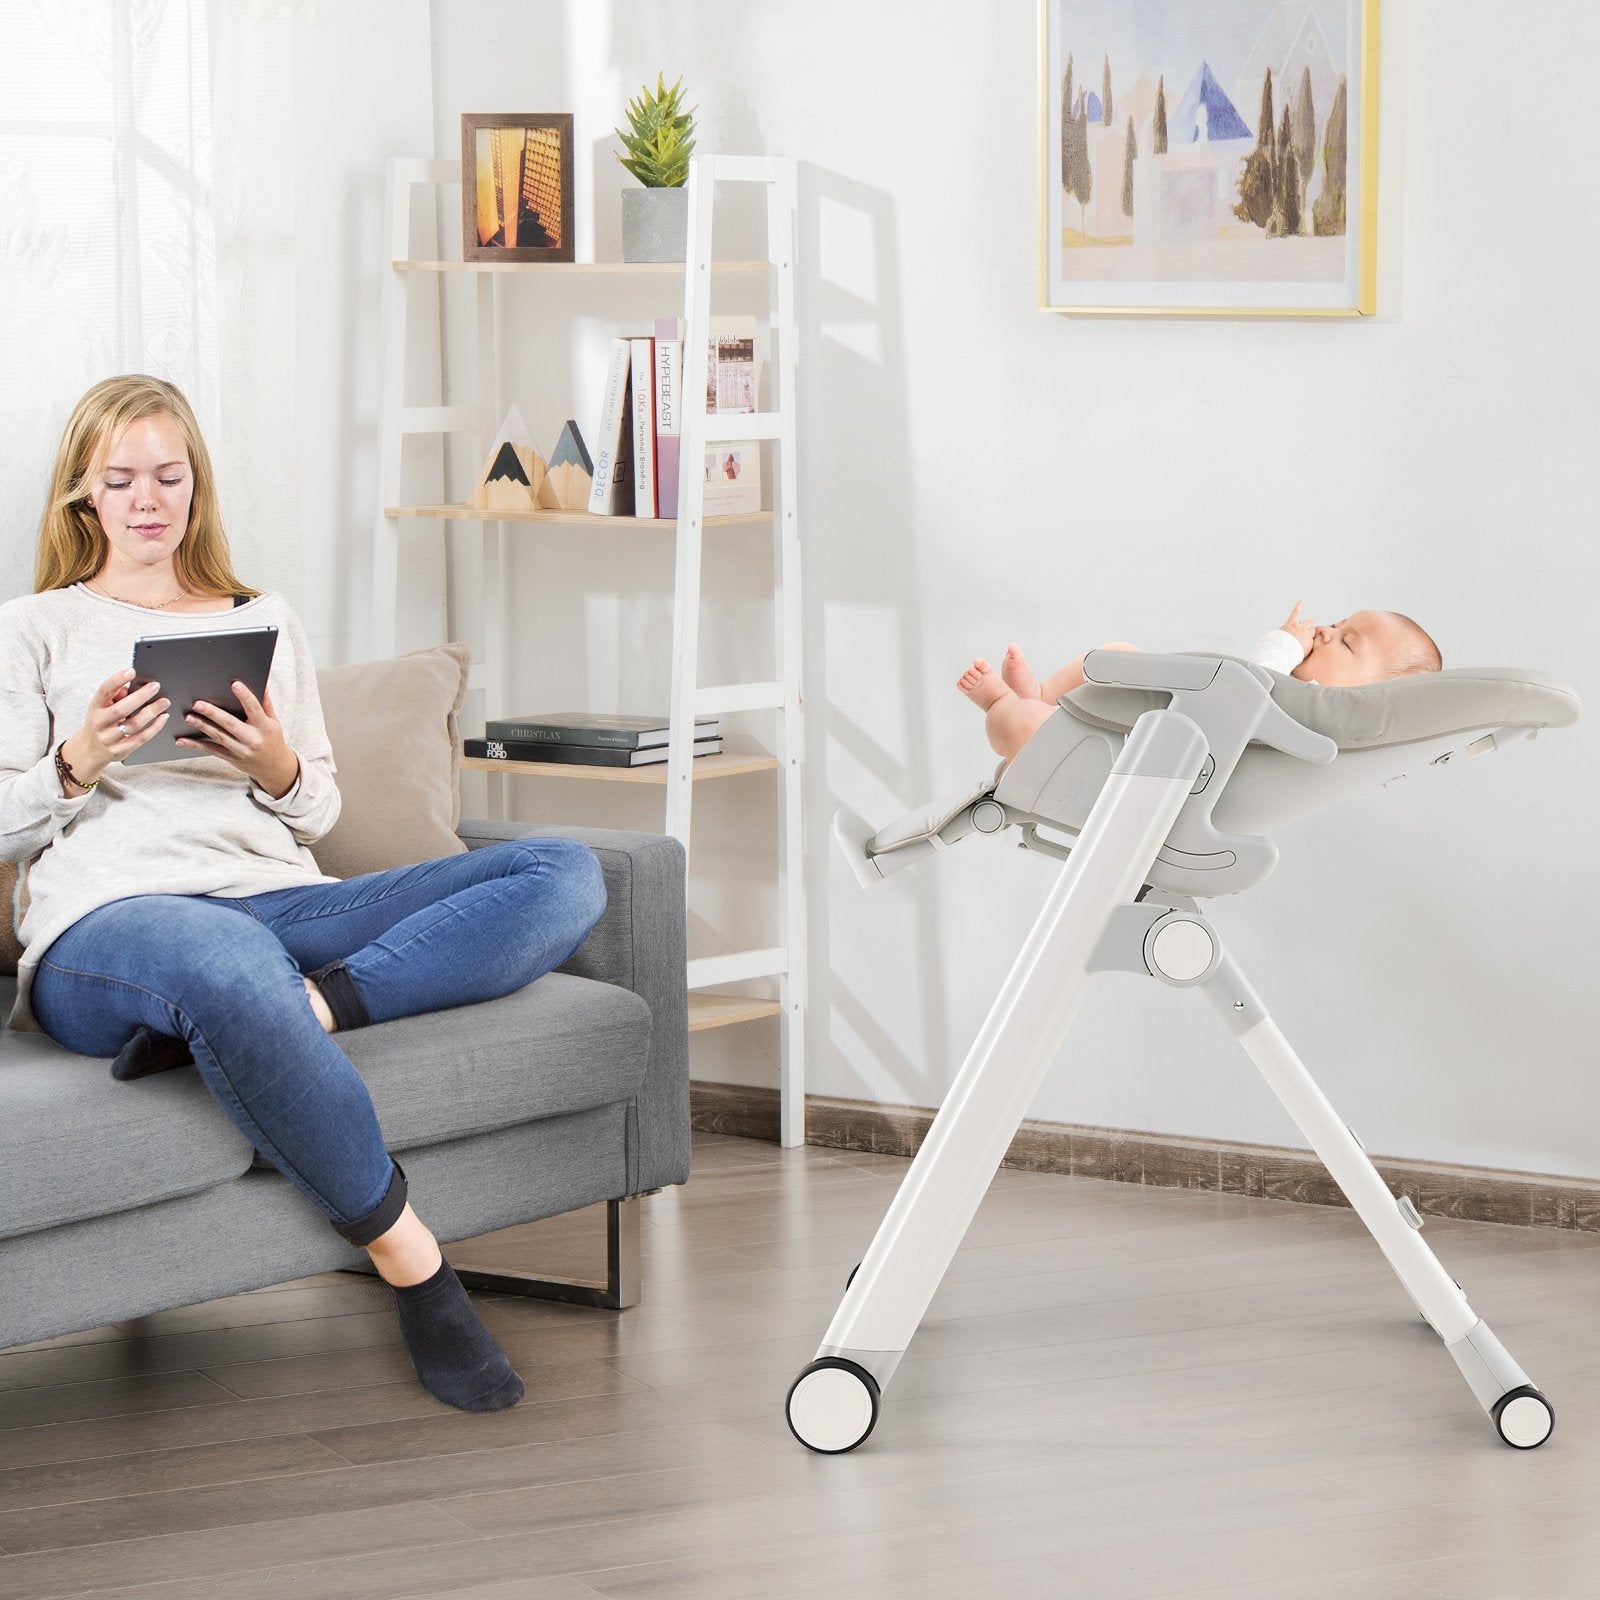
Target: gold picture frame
516,186
1185,207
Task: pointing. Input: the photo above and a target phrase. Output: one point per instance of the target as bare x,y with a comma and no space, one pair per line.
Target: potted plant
656,148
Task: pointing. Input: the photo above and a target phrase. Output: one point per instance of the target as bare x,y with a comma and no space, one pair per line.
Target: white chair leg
834,1402
1523,1417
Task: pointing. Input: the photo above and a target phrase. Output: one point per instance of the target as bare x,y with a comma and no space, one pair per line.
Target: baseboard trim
1478,1194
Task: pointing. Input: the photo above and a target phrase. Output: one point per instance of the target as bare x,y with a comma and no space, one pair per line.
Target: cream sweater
180,827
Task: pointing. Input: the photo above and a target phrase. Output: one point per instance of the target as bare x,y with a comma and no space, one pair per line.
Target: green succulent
660,136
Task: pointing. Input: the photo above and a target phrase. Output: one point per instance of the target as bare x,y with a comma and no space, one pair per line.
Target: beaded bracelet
65,772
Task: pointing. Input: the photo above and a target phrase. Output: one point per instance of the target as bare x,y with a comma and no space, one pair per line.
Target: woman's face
142,494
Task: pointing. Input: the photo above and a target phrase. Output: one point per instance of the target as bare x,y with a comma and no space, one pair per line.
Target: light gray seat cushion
75,1143
562,1044
1374,716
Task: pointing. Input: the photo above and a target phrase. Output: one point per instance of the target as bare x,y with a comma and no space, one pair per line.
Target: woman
172,910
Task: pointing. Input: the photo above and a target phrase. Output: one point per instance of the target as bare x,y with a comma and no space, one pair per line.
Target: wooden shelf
722,1010
465,513
573,266
720,766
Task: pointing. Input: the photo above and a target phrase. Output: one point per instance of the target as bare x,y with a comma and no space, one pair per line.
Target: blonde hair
72,544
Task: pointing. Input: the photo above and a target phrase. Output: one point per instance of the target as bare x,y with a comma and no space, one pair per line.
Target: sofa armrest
640,944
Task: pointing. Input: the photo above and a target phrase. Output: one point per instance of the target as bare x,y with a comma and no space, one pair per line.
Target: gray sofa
122,1198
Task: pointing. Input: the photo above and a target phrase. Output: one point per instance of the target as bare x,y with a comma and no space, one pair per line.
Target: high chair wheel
833,1406
1524,1418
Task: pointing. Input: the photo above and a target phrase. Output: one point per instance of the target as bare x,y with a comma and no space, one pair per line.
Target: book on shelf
578,755
669,381
731,365
593,728
612,494
732,466
642,382
638,466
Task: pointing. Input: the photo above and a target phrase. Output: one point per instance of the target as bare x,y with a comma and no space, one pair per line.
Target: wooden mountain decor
571,474
513,471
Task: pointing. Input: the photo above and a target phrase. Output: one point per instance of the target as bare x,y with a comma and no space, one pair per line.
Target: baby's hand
1301,629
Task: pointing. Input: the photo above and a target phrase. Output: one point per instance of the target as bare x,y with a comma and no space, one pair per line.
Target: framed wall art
516,186
1208,157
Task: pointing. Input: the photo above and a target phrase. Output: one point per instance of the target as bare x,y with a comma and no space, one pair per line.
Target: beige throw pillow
392,725
10,950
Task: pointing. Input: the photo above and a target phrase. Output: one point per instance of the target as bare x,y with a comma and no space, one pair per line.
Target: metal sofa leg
620,1290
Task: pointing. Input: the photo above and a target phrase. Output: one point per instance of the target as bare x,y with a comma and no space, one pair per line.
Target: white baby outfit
1277,651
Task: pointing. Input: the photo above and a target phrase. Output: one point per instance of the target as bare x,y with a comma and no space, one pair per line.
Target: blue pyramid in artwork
1092,107
1222,121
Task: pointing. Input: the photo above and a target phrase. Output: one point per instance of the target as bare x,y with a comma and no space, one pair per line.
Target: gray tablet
199,666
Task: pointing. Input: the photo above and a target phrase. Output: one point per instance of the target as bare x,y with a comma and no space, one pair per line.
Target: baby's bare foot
1018,674
981,684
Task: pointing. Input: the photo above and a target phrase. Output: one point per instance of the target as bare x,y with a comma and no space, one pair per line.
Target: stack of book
584,739
636,465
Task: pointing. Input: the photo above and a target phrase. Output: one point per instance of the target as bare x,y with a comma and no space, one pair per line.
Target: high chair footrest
919,825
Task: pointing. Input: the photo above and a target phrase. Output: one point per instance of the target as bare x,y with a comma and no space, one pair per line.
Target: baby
1366,647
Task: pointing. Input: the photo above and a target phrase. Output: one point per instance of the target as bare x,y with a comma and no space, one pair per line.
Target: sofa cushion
75,1143
561,1044
397,748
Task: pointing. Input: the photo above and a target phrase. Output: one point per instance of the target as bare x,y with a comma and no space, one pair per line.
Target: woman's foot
407,1253
457,1359
148,1051
1018,675
982,685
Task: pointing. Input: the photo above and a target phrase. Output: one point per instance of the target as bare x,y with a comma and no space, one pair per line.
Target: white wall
362,94
975,472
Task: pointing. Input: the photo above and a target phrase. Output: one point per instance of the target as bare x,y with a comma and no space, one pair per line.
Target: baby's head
1368,647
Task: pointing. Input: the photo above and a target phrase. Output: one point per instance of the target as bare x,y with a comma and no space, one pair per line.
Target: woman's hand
120,719
255,745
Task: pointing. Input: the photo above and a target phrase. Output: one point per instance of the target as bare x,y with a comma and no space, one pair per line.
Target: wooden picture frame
1161,190
516,186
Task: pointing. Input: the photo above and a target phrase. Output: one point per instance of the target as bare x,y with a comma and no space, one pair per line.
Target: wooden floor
1119,1393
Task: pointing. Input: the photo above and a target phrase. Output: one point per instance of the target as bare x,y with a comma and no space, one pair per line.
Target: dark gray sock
148,1051
456,1357
344,999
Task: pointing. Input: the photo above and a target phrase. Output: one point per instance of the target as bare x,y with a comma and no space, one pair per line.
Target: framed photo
1208,157
516,186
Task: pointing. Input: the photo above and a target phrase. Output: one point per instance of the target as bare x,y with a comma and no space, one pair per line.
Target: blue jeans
227,976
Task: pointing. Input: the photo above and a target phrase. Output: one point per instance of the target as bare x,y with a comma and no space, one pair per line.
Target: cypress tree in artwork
1327,215
1066,117
1158,145
1256,180
1285,184
1305,135
1075,175
1305,126
1130,153
1105,92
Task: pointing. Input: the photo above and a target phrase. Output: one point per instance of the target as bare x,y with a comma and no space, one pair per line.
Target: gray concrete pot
655,224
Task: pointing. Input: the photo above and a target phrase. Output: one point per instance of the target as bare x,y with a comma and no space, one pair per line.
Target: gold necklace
182,594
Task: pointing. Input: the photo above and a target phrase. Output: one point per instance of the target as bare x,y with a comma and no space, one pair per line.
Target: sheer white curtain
147,225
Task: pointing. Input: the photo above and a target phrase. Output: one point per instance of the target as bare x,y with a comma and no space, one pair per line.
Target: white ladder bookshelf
784,961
